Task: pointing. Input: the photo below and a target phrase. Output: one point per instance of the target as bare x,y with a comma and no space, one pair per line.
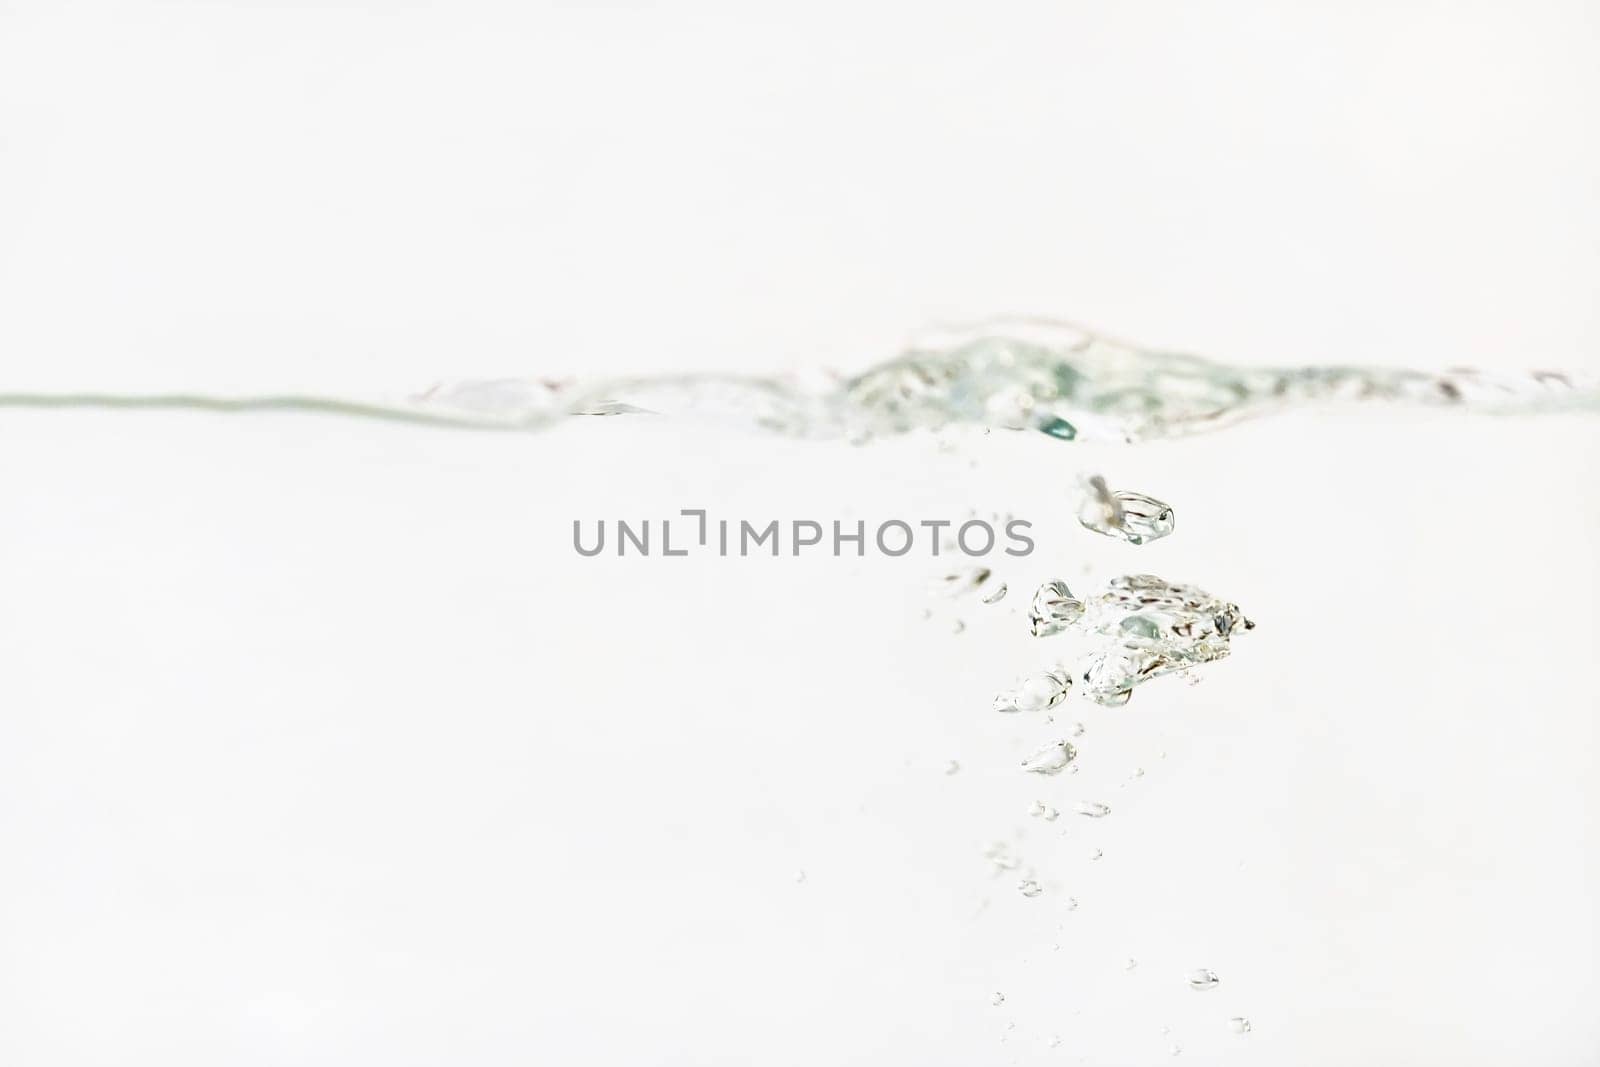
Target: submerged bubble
1092,808
1202,980
1040,810
952,767
996,595
997,998
1036,692
1132,517
1239,1024
1127,516
1150,626
1051,759
1054,608
1028,887
1072,903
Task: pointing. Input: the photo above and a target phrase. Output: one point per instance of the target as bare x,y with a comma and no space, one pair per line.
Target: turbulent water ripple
1016,374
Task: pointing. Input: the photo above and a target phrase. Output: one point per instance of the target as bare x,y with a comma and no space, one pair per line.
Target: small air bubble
1029,888
1092,808
997,999
1202,980
1036,692
996,596
1239,1024
1051,759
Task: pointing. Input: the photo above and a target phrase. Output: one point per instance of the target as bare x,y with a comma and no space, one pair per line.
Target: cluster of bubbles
1136,628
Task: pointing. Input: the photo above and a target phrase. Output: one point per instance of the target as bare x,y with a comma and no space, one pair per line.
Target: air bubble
1051,759
1202,980
1054,609
1126,516
1152,627
1036,692
1040,810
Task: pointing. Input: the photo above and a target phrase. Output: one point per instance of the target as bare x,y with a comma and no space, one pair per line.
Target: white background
319,745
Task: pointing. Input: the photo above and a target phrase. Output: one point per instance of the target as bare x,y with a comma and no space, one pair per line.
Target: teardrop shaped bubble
1051,759
1202,980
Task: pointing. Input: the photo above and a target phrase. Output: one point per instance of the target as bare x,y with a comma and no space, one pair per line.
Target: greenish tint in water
1017,374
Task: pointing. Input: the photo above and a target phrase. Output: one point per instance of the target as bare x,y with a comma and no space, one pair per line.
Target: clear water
1373,683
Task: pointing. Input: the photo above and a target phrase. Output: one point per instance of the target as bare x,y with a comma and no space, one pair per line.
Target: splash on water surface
1016,374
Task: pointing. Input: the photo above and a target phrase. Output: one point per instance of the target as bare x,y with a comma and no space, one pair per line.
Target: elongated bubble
1124,515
